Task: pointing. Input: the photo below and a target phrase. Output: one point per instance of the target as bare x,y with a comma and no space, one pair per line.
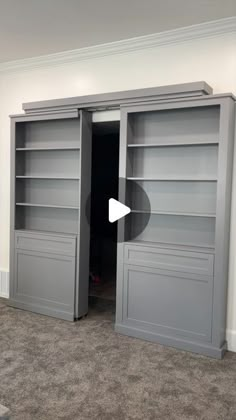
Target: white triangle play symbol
117,210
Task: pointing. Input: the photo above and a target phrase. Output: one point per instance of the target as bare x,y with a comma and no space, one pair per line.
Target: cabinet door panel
45,280
177,304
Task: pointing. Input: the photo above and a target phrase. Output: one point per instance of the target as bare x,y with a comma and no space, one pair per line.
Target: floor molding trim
231,339
203,30
4,284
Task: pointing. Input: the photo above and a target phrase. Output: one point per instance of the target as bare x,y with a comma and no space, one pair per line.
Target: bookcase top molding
116,99
162,95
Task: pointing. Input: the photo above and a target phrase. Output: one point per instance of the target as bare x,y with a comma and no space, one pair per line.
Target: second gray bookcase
173,266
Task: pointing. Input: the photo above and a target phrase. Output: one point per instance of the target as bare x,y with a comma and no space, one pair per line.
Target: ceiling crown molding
176,36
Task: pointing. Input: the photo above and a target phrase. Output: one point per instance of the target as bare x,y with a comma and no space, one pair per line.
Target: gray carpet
51,369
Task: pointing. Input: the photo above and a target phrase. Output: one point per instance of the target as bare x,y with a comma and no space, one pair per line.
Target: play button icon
102,211
117,210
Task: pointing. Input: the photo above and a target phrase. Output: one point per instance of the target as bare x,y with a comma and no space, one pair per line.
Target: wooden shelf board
47,206
173,213
39,149
173,178
172,144
46,177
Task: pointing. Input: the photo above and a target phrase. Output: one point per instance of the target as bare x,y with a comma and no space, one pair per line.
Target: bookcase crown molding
175,36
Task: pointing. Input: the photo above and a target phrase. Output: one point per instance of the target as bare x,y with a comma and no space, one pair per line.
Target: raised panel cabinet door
45,283
172,304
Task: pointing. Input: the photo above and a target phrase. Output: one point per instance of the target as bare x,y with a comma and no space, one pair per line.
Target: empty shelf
173,178
37,149
45,177
173,213
47,206
173,144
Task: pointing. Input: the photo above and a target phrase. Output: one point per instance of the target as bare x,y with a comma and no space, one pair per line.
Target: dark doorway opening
103,234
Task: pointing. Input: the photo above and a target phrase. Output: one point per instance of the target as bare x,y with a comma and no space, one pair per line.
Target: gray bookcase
176,148
172,266
50,233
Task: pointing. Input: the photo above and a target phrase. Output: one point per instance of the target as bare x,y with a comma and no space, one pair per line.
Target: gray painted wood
223,210
142,279
172,260
44,116
182,126
186,230
48,133
125,134
117,98
47,219
40,242
174,161
171,246
169,294
163,302
171,341
48,163
186,197
82,274
13,222
48,191
44,279
49,230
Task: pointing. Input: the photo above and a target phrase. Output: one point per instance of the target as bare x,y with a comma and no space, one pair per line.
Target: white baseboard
4,284
231,339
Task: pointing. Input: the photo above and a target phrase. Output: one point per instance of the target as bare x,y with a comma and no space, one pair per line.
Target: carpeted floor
51,369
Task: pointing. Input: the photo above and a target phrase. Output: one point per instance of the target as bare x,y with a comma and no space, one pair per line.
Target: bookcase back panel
177,161
189,197
48,191
186,230
47,219
175,126
54,133
52,163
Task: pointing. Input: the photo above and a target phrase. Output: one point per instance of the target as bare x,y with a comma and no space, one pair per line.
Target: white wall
210,59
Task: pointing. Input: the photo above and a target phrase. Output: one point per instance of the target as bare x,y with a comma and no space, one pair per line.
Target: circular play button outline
136,210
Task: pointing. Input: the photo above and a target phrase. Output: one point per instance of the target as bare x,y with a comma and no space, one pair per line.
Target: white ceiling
30,28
